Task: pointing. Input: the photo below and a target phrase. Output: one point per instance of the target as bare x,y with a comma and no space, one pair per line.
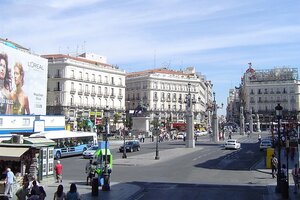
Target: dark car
131,146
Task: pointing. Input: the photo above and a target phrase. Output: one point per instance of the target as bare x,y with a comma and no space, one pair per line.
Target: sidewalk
260,168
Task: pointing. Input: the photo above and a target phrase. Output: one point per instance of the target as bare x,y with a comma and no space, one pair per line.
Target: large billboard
23,82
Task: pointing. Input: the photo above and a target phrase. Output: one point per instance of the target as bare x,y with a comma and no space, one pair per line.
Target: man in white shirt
9,181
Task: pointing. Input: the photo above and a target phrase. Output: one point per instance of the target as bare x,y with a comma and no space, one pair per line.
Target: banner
23,82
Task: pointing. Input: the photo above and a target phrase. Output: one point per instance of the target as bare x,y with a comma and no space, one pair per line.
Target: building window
99,79
1,121
87,76
112,81
80,75
106,79
26,121
120,81
112,92
93,77
72,74
105,91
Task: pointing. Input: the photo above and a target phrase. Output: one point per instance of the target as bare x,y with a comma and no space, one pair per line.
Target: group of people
12,101
30,189
284,172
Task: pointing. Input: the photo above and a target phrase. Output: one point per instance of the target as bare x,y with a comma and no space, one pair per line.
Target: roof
154,71
81,59
39,141
12,153
62,134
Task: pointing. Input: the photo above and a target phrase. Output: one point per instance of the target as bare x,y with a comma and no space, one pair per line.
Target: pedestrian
90,169
274,165
23,192
295,173
284,171
34,195
9,183
35,188
259,138
58,170
73,194
60,194
42,193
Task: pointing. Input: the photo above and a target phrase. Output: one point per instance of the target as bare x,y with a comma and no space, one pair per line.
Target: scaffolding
276,74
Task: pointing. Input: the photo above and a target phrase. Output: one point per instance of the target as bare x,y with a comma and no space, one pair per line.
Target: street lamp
156,128
106,174
124,123
278,109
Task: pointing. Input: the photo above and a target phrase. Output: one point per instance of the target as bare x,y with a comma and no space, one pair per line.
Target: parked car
264,144
89,152
131,146
232,144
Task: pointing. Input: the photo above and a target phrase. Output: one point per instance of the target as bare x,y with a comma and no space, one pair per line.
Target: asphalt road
210,172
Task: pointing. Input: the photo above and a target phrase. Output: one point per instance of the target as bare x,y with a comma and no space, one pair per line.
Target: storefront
33,157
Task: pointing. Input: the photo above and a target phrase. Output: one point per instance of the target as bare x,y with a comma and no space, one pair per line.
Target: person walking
9,183
295,173
73,194
58,170
274,165
23,192
60,194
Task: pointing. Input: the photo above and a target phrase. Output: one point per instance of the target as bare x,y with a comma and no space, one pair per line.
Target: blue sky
217,37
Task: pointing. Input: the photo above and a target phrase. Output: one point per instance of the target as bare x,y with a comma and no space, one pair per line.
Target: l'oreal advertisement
23,82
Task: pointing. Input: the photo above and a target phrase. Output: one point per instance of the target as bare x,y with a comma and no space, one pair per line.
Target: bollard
95,186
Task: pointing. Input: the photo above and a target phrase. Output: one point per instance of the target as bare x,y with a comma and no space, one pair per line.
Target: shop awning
8,153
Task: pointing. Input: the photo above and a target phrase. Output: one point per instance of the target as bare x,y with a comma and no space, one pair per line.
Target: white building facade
263,90
83,86
164,91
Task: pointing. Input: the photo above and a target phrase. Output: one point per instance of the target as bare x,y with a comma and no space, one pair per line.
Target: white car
200,133
232,144
264,144
90,152
180,135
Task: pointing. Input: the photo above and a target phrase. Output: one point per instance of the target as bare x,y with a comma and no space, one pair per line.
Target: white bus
69,143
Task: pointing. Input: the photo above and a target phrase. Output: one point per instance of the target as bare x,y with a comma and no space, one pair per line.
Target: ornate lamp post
106,174
278,109
124,137
156,129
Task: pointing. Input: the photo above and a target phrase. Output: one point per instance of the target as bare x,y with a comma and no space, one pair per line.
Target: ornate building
164,91
83,86
262,90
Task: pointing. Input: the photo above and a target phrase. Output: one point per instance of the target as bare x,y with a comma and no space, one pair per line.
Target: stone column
242,121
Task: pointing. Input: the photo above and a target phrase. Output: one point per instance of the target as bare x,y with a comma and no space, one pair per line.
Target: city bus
69,143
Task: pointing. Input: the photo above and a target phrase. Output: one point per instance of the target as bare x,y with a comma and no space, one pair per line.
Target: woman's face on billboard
18,77
2,68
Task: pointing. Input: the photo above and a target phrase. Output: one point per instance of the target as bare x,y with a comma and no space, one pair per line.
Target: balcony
120,96
94,80
87,93
72,91
57,76
155,99
112,96
168,99
57,89
80,92
173,99
162,99
93,93
99,94
144,98
106,95
72,77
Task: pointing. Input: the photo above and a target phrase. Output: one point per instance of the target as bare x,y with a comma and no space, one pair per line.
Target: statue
141,109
